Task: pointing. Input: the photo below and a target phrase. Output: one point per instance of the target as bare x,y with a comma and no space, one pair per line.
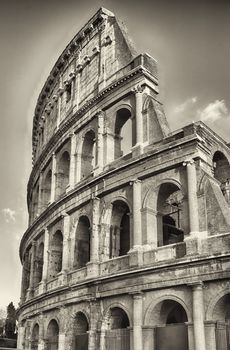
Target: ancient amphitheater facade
129,228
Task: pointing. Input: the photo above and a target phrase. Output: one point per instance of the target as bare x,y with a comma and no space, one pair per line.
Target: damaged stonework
129,223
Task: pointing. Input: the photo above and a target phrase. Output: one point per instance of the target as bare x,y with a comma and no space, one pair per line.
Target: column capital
134,181
197,285
64,214
137,89
137,295
187,162
100,113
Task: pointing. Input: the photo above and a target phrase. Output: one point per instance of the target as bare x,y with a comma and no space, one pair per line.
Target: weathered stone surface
129,223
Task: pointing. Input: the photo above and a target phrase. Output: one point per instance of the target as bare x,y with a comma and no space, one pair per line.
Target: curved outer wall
128,223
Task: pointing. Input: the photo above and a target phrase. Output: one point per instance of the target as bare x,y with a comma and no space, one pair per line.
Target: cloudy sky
190,40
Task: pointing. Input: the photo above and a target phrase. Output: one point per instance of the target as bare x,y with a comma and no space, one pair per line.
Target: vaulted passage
46,189
56,247
81,328
171,333
169,214
222,173
62,176
82,243
88,156
119,229
52,335
35,337
221,316
123,138
39,264
118,335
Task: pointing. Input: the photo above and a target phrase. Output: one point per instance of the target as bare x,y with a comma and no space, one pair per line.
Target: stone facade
129,224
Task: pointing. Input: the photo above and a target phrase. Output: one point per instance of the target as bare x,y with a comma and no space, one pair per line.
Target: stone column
192,196
138,148
21,334
40,204
61,342
42,284
33,256
198,316
72,161
92,266
24,278
53,179
65,252
59,101
100,148
137,229
78,165
136,253
137,321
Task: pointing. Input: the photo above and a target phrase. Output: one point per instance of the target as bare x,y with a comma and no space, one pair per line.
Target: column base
136,256
92,269
194,242
62,278
42,287
137,150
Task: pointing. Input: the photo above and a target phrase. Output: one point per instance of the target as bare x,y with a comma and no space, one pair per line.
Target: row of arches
167,324
118,231
118,141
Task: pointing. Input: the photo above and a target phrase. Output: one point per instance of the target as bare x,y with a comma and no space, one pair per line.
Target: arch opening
119,229
171,332
118,333
221,314
81,328
123,138
222,173
39,263
35,337
52,335
88,156
169,215
62,176
46,190
82,243
56,248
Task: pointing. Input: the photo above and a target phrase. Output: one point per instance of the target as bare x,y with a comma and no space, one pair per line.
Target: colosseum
128,244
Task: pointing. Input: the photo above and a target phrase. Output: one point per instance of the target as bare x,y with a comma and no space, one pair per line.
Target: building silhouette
128,239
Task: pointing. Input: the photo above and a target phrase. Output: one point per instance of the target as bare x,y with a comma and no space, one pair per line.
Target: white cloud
214,111
9,214
185,105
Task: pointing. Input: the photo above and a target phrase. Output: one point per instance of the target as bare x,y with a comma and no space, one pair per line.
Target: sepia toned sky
190,40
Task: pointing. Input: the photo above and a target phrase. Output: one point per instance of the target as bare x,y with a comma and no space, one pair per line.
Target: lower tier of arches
188,317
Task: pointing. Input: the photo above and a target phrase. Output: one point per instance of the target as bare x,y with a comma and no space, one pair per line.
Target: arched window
118,334
88,155
52,335
46,189
222,173
169,214
55,260
62,177
123,138
119,229
82,243
81,328
35,201
35,337
39,264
